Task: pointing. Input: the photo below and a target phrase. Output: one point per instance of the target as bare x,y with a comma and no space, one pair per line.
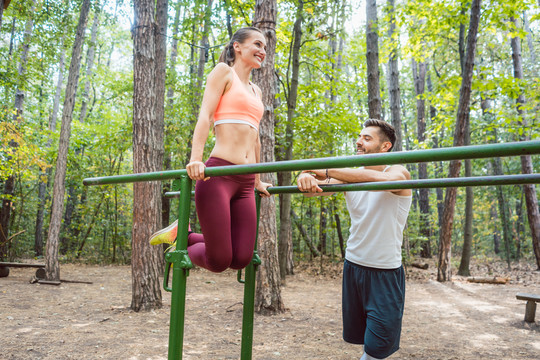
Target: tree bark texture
52,268
468,226
147,156
268,296
284,178
531,201
444,271
419,75
372,57
393,78
43,186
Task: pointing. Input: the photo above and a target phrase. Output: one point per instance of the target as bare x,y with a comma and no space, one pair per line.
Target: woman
226,204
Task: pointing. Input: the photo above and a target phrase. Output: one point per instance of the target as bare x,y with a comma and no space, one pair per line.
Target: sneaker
167,235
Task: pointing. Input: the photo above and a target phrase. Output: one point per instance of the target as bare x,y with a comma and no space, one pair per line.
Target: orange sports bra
239,106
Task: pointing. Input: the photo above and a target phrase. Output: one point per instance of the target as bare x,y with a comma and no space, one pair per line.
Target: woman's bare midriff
236,143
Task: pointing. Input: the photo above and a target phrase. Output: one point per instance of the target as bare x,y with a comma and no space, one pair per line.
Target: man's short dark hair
386,129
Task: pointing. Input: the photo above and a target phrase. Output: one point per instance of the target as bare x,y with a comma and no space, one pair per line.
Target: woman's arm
216,84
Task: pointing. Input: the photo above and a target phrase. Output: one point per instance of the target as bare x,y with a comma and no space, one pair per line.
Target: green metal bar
249,295
181,265
412,184
401,157
417,184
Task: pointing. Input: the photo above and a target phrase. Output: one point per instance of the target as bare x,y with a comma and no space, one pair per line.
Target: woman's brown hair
228,56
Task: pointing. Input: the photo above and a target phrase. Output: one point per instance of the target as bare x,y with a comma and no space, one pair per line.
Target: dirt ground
456,320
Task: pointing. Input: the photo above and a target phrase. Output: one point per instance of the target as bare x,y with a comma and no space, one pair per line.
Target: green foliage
329,110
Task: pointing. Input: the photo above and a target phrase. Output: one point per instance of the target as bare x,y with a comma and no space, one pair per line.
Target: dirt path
457,320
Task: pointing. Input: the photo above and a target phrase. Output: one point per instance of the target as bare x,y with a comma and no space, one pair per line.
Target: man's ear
386,146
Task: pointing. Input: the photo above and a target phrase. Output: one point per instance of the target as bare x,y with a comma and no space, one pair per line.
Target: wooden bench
4,268
530,308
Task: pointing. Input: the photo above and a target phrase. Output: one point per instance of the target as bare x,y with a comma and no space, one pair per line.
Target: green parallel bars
400,157
181,263
178,300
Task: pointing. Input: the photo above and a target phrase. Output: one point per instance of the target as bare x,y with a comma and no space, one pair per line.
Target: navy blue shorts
373,302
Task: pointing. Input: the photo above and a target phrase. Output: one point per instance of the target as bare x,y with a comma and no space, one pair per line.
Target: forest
76,90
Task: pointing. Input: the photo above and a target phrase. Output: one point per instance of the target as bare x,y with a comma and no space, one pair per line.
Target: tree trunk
393,77
496,233
161,75
42,192
312,248
372,57
147,157
284,178
533,213
268,297
165,201
468,227
89,65
419,75
444,271
438,165
198,86
52,268
1,11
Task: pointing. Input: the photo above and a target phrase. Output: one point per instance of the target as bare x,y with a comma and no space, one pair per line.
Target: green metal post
181,265
249,295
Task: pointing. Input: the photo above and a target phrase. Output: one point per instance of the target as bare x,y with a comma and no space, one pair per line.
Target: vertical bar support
181,265
249,295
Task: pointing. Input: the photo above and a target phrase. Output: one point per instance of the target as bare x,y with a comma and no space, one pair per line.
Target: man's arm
347,175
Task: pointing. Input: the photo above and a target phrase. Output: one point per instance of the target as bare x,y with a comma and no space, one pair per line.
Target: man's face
370,142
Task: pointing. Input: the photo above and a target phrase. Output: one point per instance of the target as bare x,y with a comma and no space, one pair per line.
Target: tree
393,77
372,57
52,268
286,153
268,296
531,200
444,272
147,157
419,75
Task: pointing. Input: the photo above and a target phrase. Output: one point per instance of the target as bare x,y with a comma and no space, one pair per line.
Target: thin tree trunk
89,64
1,11
52,268
444,271
284,178
438,165
372,57
531,200
268,296
309,242
419,75
198,86
165,201
468,226
393,77
161,75
147,157
43,185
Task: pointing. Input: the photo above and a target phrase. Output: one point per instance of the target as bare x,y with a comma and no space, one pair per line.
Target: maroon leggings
228,218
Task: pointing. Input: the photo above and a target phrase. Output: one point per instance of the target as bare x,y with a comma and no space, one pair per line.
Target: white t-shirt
377,222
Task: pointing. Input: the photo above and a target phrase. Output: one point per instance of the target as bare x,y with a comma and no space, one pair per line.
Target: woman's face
253,50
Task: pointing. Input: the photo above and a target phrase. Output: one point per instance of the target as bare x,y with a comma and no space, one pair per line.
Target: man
373,276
